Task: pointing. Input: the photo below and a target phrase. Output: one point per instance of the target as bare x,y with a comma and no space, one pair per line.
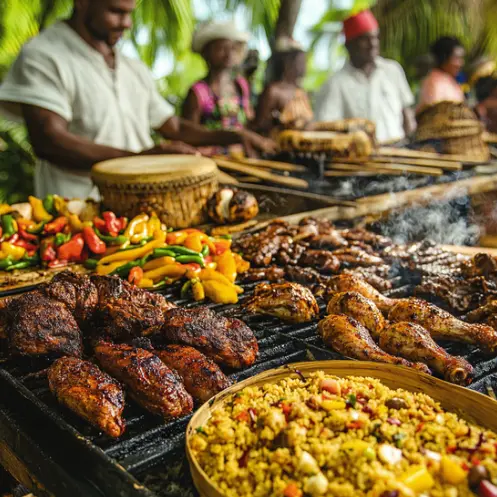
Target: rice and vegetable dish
343,437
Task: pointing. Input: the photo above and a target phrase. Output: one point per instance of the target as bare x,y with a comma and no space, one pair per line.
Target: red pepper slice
27,236
56,263
56,226
47,250
99,223
123,223
135,275
72,250
24,244
112,224
94,243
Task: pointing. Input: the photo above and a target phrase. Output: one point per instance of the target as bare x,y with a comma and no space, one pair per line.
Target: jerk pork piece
149,381
376,276
351,339
355,256
292,254
304,275
367,237
288,301
271,273
89,392
38,326
225,340
202,377
322,260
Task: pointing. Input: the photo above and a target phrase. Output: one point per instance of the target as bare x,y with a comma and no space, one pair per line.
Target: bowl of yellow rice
344,429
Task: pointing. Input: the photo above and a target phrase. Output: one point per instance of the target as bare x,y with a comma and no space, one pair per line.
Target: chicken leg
352,283
443,325
348,337
414,342
353,304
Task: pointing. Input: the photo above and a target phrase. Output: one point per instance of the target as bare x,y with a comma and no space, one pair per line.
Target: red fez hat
359,24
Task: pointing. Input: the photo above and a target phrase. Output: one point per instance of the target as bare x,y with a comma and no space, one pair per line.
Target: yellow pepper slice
75,223
106,269
194,242
39,212
131,255
451,471
134,223
146,283
220,293
198,291
154,225
14,251
242,266
226,265
5,209
418,479
211,274
157,263
169,271
141,232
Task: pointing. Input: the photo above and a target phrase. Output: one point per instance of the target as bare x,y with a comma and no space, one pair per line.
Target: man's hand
174,147
252,141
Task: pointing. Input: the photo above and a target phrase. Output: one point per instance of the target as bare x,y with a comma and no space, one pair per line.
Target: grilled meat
322,260
367,237
354,256
481,265
351,283
292,254
456,294
443,325
351,339
414,342
483,314
37,326
89,392
76,291
149,381
369,275
363,310
226,341
271,273
304,275
202,377
288,301
329,240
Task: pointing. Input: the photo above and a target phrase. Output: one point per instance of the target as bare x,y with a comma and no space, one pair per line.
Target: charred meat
202,377
271,273
288,301
322,260
354,256
89,392
149,381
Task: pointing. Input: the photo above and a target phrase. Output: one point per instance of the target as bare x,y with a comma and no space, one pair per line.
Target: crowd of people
84,102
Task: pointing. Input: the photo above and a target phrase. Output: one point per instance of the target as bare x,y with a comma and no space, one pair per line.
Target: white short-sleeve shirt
119,107
381,97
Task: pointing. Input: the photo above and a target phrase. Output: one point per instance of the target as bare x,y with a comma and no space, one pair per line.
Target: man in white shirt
83,102
368,86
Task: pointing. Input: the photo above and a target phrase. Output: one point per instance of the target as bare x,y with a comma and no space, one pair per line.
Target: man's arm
410,123
191,108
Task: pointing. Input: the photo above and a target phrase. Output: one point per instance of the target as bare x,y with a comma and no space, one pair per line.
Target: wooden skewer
403,168
226,178
361,168
420,154
260,173
448,165
267,164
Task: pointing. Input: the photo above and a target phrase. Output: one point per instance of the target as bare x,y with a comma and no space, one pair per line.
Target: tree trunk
289,12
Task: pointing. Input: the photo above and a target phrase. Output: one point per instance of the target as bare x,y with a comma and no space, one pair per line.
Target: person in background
84,102
368,86
220,101
249,69
486,95
441,83
284,104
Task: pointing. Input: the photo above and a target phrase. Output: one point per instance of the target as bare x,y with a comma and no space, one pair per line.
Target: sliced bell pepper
164,252
106,269
136,253
5,209
39,211
198,290
226,265
242,266
15,252
134,223
75,223
154,224
72,250
194,242
57,264
18,265
99,223
123,222
60,205
49,204
135,275
27,236
160,262
112,224
56,226
47,250
211,274
29,247
145,283
169,271
94,243
220,293
176,237
188,259
5,262
222,246
91,264
111,240
9,226
37,229
61,238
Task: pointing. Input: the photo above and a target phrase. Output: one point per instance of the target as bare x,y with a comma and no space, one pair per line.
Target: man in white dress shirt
368,86
84,102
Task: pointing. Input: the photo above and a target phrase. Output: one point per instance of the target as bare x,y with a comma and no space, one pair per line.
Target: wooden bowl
175,187
472,406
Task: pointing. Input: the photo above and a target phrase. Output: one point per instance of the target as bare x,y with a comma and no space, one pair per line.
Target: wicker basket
175,187
457,127
348,126
472,406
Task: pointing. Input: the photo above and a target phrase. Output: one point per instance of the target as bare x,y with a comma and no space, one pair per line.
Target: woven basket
456,126
348,126
175,187
472,406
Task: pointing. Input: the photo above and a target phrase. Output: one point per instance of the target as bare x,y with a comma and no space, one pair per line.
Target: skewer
266,164
429,171
448,165
420,154
360,168
262,174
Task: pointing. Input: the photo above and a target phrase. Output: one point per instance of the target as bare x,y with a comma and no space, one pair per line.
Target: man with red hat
368,86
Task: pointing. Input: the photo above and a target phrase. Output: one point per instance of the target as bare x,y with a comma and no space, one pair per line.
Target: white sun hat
210,31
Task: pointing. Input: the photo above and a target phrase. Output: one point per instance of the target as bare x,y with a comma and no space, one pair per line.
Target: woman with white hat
220,100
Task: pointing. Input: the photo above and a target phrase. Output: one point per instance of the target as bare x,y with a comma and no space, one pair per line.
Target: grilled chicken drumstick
202,377
443,325
414,342
360,308
150,382
348,337
352,283
89,392
288,301
226,341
